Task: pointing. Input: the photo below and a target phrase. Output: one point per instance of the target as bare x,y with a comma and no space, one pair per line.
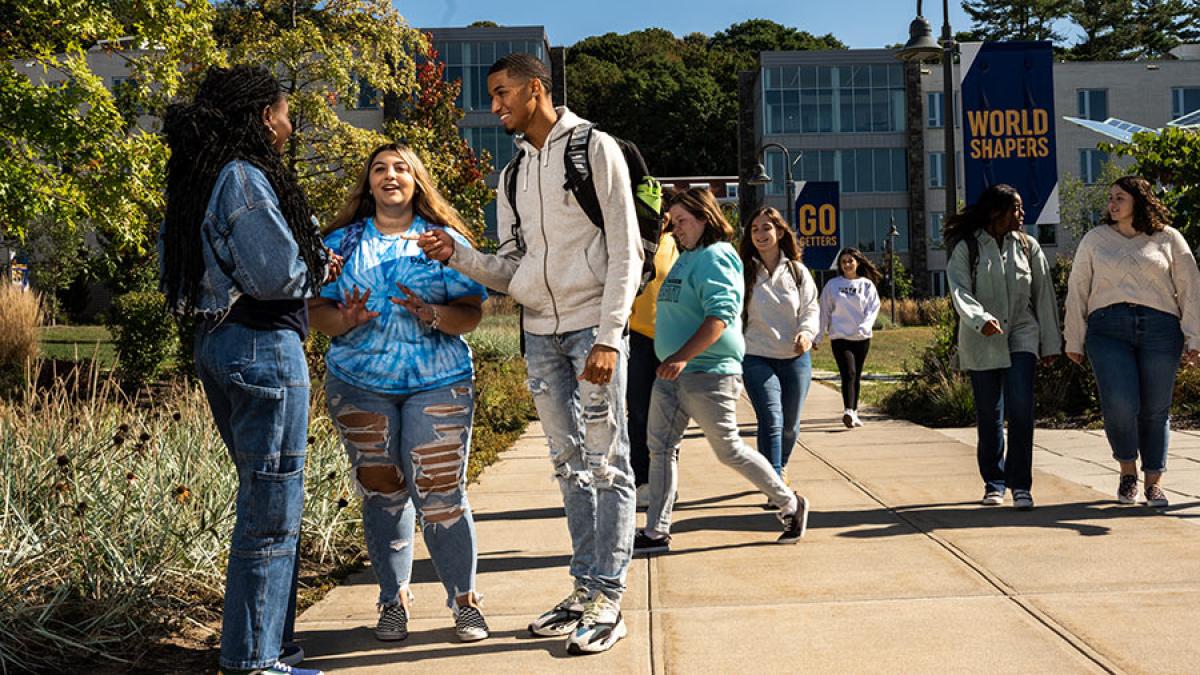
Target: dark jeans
642,365
1135,353
999,394
850,356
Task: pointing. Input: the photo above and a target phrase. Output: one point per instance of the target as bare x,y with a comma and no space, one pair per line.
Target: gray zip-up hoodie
572,275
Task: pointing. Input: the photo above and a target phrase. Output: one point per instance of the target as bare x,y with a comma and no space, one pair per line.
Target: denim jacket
247,246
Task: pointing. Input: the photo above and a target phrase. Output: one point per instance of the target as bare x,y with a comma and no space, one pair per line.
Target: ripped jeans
589,447
398,442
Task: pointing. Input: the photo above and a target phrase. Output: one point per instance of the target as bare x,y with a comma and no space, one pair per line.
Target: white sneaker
643,496
848,418
854,418
599,629
563,618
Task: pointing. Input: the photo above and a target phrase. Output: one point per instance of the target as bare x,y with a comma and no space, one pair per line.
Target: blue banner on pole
1008,123
819,222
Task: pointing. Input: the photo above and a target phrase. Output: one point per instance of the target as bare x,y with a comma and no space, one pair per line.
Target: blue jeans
257,387
711,400
409,456
999,394
589,447
777,389
1135,354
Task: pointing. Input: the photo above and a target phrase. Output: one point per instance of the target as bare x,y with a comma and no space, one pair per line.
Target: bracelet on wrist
433,322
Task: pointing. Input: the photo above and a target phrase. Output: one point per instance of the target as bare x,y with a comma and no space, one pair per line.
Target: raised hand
354,310
437,244
420,309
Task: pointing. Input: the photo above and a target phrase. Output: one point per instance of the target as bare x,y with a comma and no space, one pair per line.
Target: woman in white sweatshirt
849,305
1132,306
781,317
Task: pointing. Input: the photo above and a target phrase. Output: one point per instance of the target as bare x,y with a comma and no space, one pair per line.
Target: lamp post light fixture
761,177
922,47
891,235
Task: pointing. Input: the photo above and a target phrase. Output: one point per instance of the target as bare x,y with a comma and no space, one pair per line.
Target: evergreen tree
997,20
1104,37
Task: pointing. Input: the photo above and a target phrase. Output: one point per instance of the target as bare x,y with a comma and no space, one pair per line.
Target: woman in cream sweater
1131,304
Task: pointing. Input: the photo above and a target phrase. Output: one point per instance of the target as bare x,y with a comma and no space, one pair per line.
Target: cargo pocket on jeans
276,500
255,390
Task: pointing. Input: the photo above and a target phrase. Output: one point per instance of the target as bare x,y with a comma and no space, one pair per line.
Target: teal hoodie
704,282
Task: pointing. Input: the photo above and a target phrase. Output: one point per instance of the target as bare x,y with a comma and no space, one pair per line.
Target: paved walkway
901,571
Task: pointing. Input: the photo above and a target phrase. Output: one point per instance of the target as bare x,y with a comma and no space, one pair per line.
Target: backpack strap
578,163
972,257
349,243
510,194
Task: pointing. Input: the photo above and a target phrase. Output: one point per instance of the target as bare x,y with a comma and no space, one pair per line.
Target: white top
848,308
779,311
1156,270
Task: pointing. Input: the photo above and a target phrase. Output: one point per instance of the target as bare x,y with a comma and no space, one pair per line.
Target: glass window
935,227
1091,164
368,97
823,99
1093,104
1184,101
1045,233
933,110
936,168
731,190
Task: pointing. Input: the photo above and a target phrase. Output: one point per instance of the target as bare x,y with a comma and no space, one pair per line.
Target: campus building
875,124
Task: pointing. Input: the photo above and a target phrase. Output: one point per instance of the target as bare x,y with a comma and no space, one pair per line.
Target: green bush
503,408
144,334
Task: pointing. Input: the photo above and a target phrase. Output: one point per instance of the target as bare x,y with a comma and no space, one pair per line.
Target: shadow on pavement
428,645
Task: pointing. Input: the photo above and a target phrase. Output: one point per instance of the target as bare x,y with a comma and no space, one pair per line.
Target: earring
274,134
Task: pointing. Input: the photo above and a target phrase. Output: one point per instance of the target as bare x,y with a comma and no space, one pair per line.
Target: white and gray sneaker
469,624
393,623
1022,500
848,418
854,420
992,498
599,629
563,618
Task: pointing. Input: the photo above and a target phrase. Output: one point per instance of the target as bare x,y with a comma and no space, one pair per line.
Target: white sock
791,507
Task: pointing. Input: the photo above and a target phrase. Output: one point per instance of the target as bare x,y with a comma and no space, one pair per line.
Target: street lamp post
761,177
921,47
892,234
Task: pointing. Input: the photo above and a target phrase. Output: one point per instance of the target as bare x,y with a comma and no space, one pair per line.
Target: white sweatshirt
848,308
779,311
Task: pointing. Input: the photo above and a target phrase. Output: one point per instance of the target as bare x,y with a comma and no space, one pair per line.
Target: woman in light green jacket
1001,288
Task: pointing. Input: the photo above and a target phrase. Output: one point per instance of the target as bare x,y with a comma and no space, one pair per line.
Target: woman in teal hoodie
698,338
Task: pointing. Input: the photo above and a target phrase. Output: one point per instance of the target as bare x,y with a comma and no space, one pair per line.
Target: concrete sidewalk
901,571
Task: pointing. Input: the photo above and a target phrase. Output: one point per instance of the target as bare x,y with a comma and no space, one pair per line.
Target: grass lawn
78,342
890,348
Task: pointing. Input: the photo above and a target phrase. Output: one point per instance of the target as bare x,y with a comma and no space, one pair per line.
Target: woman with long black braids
240,252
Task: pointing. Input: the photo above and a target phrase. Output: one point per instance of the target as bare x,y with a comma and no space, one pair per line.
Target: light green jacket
1009,288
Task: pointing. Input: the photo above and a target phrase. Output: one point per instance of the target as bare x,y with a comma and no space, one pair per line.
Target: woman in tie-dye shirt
400,382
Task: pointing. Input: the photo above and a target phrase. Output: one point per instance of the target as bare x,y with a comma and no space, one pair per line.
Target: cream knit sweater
1156,271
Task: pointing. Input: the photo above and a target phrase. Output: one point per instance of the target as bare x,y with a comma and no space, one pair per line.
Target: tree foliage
1171,160
669,86
996,20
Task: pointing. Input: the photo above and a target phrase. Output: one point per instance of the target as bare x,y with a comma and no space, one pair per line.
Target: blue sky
858,23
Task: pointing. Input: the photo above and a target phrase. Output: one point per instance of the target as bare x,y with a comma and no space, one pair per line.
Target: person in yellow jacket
643,363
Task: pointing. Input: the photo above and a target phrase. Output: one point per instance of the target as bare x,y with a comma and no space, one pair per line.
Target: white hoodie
572,275
848,308
779,310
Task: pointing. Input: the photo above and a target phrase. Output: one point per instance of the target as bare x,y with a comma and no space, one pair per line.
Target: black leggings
850,356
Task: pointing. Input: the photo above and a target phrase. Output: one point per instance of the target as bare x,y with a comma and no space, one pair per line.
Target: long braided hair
224,123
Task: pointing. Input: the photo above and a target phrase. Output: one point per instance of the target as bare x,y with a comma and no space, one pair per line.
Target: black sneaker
393,623
1127,490
563,618
795,524
644,544
1155,497
469,624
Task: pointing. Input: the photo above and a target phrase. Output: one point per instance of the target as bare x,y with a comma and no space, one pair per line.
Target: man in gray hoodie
576,283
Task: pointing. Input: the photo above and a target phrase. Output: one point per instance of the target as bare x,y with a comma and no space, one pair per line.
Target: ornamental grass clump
115,521
20,323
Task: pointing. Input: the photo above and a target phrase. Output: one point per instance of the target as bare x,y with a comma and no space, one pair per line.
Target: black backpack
647,193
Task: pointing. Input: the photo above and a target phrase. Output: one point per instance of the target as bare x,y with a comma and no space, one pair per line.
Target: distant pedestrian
643,363
849,306
780,318
400,384
1001,287
1132,307
698,337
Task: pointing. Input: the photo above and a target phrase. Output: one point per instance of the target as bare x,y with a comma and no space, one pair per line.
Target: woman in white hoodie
781,318
849,305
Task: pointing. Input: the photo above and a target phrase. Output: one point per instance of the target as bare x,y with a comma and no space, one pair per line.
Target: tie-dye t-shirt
395,353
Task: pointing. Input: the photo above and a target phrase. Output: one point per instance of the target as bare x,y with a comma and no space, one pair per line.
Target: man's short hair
523,66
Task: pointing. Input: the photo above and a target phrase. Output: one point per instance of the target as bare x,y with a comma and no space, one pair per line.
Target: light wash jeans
777,389
409,456
1135,353
589,446
711,400
257,386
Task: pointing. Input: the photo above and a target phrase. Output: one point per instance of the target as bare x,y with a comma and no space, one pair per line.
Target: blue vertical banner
819,222
1008,123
